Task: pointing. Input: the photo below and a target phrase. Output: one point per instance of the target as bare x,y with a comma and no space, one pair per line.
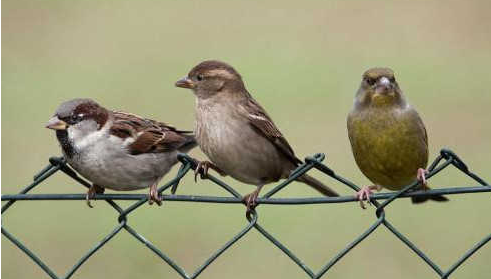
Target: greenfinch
388,138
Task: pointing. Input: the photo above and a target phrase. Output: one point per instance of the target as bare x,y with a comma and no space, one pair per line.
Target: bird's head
211,77
379,88
77,118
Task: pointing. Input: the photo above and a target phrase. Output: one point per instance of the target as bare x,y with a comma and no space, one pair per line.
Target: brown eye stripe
223,73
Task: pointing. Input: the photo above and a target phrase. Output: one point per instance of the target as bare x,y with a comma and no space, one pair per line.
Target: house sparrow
117,150
237,134
387,136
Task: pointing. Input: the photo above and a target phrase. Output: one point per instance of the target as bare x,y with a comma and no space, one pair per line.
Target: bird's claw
202,169
421,176
364,194
250,200
88,197
154,196
94,189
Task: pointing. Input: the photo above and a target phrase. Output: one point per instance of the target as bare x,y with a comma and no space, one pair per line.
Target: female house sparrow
237,134
387,136
117,150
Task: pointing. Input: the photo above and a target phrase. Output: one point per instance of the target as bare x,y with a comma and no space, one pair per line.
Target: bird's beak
383,85
56,124
185,82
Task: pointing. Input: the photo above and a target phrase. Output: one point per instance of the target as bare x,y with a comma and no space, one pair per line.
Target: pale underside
104,159
226,136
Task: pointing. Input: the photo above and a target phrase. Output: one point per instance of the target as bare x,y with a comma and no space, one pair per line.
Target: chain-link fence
444,160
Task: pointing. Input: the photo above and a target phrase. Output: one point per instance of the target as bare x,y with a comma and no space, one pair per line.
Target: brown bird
237,134
117,150
388,138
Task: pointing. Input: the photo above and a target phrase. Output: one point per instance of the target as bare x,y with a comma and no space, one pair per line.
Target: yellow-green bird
387,136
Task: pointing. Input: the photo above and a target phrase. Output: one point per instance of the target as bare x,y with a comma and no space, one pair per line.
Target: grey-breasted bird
388,138
117,150
237,134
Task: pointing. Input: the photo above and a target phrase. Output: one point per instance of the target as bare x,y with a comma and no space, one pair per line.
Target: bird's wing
262,123
420,126
149,136
354,134
349,124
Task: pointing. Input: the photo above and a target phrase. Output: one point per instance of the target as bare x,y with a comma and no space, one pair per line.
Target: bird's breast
387,147
218,129
234,146
107,163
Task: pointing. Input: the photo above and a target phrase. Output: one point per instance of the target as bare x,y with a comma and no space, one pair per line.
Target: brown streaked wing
260,120
150,136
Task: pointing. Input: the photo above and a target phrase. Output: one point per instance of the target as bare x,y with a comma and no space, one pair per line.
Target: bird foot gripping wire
202,169
364,194
421,176
154,195
93,190
250,200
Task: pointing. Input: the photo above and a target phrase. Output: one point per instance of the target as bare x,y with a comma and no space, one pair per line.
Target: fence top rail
234,200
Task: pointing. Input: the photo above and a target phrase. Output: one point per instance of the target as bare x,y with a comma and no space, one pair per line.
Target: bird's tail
316,184
188,144
422,199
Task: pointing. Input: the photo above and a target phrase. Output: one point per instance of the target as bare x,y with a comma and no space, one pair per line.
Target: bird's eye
370,81
199,77
392,79
77,117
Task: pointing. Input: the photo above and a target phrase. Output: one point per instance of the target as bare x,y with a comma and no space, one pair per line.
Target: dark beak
56,124
185,82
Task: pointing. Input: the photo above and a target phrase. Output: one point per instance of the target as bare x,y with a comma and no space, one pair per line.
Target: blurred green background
302,60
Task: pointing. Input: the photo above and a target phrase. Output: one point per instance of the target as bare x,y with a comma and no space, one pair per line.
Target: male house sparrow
387,136
237,134
117,150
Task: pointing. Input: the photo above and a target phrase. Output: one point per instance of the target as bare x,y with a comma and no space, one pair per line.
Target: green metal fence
445,159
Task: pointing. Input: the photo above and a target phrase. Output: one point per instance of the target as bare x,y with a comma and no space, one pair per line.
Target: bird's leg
421,176
94,189
365,192
250,200
203,167
153,195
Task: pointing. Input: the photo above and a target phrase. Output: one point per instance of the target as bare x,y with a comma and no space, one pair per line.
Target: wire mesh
445,159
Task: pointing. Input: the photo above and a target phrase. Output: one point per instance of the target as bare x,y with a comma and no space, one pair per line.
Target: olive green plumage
388,138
